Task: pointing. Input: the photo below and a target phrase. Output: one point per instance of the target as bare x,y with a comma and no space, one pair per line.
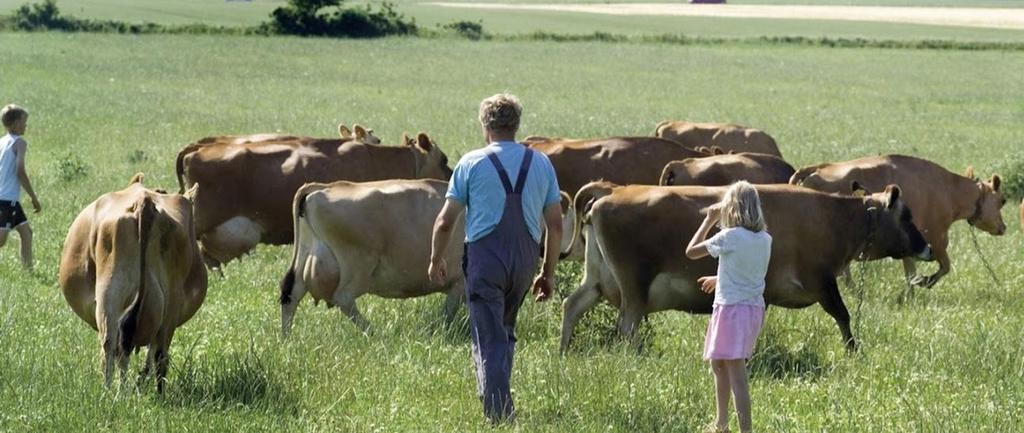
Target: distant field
949,360
513,22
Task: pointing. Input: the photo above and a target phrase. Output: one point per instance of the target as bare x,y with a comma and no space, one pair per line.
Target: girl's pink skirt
733,331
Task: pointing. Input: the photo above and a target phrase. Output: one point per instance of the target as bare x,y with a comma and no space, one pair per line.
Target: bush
1012,173
70,168
307,18
39,16
467,29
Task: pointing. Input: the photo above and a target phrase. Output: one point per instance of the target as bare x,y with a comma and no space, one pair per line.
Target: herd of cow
134,265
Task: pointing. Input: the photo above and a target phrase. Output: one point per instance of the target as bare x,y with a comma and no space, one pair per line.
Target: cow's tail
584,201
298,212
179,165
802,174
145,214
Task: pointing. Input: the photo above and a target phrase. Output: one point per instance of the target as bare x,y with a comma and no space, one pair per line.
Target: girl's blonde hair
741,207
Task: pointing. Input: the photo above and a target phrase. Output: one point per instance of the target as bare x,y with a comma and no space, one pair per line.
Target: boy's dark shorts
11,215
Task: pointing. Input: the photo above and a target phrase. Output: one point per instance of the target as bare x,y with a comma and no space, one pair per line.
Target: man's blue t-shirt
476,184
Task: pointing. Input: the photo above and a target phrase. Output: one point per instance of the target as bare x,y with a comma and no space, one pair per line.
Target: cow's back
621,160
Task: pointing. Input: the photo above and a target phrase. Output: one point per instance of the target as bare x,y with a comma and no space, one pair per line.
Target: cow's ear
359,132
996,181
857,189
892,195
405,139
137,178
423,142
343,131
969,173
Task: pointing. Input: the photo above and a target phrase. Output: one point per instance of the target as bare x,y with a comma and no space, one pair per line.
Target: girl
743,248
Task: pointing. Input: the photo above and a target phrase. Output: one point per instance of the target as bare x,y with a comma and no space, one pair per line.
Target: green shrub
467,29
1012,173
70,167
308,18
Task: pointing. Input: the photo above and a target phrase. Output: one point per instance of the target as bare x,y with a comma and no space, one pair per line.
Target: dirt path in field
943,16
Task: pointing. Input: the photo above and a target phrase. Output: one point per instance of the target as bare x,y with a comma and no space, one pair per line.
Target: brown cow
131,269
372,237
246,189
641,234
623,160
717,170
938,197
727,136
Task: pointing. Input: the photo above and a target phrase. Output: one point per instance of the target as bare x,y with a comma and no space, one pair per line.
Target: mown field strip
944,16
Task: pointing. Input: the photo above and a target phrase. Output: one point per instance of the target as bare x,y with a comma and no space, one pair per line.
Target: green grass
216,12
949,360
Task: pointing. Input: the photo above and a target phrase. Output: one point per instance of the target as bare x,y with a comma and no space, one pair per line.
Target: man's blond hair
12,113
501,113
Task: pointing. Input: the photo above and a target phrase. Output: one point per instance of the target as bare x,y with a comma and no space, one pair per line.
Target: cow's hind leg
346,302
579,302
832,303
456,297
161,357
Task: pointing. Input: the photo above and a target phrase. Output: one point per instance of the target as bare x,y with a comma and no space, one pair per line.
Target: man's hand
36,206
438,271
708,284
543,287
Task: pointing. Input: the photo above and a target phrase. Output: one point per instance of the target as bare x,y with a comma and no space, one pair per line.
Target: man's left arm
441,237
545,283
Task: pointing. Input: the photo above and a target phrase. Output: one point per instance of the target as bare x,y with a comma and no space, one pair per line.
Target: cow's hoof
929,281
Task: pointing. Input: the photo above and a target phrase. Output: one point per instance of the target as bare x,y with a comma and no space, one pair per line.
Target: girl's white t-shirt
743,257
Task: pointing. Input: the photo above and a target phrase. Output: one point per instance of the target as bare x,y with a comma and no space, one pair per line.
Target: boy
13,178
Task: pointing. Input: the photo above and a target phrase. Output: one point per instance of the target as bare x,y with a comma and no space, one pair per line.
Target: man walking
511,195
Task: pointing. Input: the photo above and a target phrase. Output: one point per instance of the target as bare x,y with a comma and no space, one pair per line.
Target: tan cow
131,269
370,238
938,197
727,136
246,188
757,168
623,160
638,236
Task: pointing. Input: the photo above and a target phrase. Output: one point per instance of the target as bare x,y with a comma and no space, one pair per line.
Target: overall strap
524,169
501,171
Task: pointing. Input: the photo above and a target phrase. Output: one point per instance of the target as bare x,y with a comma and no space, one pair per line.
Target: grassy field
515,22
949,360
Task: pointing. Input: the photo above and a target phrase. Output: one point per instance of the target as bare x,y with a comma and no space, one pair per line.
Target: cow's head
988,215
358,133
891,231
675,173
431,162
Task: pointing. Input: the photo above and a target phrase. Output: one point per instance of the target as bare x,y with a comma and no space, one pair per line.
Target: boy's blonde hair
741,207
501,113
12,113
